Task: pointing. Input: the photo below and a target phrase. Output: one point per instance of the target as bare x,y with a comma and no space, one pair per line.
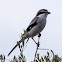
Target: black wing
32,24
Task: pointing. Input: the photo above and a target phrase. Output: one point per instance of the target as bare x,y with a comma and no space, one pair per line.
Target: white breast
42,16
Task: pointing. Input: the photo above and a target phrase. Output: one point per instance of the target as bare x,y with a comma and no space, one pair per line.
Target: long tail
24,36
14,47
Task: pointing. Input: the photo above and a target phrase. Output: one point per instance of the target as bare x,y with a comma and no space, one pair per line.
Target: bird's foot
38,44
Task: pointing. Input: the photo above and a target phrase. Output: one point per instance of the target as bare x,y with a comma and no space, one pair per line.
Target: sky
15,16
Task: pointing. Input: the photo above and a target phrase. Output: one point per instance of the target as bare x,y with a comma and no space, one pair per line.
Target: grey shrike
36,26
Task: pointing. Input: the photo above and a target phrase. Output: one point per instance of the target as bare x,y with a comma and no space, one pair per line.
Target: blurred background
15,16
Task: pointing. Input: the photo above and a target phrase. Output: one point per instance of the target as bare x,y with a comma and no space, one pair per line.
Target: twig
42,49
36,49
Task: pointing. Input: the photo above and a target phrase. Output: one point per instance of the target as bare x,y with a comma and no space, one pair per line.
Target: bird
36,26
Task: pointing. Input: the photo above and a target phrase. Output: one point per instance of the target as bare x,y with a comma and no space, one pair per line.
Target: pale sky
15,15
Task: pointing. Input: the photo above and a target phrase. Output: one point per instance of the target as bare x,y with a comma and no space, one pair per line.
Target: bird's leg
38,39
34,40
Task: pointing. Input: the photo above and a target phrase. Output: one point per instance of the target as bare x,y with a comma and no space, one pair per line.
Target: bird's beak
49,12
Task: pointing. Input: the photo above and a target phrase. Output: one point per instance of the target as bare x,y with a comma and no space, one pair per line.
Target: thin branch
36,49
42,49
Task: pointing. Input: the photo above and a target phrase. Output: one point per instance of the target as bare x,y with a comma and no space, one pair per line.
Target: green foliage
2,58
50,57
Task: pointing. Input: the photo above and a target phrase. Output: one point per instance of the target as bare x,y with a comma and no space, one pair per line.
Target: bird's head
43,11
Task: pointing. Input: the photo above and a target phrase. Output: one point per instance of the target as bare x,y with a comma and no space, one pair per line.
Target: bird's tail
14,47
24,37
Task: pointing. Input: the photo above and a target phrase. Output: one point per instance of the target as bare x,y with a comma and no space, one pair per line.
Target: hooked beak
49,12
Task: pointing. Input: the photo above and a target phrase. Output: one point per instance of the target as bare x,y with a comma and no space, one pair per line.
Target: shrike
36,26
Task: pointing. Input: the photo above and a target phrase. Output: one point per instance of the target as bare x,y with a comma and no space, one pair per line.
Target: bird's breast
41,24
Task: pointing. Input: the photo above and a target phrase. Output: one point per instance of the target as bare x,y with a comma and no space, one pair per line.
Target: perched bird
35,27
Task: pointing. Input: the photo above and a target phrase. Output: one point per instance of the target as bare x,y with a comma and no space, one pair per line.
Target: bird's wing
32,24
